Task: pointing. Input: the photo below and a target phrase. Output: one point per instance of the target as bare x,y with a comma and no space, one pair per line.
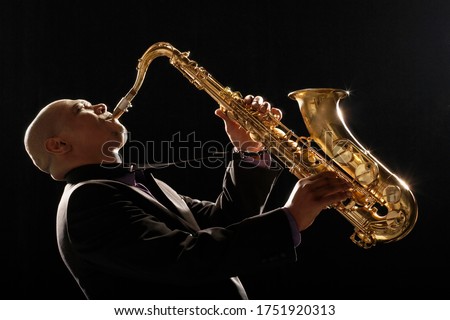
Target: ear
57,145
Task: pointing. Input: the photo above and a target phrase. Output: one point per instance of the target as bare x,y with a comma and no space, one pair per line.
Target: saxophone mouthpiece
121,108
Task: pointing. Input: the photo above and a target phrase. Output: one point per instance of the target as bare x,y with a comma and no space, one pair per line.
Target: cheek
112,140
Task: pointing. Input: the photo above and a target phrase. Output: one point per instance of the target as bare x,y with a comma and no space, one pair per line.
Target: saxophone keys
392,194
343,152
366,173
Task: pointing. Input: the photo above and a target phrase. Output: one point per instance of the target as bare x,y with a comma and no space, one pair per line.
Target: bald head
48,123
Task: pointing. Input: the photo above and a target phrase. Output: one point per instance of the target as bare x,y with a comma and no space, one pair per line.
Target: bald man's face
84,127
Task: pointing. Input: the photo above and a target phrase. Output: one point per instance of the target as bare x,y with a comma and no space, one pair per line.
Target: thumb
219,112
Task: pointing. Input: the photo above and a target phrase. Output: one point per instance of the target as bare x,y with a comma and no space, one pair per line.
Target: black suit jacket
119,242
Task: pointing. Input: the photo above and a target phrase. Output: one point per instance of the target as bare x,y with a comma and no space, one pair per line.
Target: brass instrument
382,208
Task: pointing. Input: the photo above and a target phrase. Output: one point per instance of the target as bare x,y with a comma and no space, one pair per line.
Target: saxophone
382,208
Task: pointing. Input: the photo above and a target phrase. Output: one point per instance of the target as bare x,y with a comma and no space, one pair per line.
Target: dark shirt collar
117,171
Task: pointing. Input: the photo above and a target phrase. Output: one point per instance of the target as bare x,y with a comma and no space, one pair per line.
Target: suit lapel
170,199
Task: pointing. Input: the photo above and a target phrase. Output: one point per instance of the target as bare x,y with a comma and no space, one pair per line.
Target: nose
102,111
100,108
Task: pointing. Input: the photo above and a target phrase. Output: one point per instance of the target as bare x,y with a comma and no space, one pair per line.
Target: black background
394,57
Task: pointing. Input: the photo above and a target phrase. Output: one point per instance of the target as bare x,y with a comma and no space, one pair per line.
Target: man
125,235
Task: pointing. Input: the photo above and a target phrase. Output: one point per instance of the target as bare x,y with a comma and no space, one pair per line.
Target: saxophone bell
382,207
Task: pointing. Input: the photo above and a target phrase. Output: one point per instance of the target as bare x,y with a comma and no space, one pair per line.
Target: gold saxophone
381,208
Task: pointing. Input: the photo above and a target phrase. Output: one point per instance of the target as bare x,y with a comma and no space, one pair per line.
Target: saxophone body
381,208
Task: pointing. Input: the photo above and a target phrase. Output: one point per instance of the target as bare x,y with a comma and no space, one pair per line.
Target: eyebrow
85,102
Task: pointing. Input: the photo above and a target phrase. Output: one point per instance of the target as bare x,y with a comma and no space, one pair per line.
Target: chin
124,137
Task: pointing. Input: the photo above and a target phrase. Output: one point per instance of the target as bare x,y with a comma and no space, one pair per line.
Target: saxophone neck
156,50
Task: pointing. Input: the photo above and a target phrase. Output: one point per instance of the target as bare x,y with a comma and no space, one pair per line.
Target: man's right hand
313,194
